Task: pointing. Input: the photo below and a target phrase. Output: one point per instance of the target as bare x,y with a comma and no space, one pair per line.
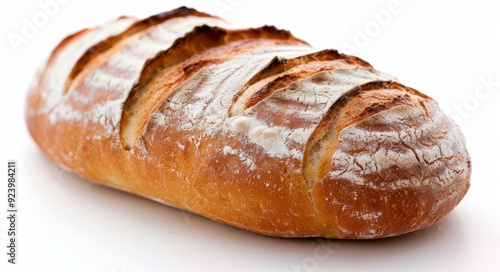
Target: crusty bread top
262,84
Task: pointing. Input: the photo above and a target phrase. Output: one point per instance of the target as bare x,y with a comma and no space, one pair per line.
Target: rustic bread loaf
249,127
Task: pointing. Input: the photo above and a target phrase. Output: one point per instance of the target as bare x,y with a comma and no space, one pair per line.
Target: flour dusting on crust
428,147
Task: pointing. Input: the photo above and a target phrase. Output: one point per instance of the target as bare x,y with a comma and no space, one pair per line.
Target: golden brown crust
250,128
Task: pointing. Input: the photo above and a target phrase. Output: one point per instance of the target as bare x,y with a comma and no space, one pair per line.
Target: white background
446,49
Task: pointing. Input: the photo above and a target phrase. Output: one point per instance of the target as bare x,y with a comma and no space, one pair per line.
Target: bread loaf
249,127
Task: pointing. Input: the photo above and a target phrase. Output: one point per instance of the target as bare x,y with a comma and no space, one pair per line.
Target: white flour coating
278,141
70,114
433,157
132,58
106,115
367,216
203,101
275,140
130,62
246,158
181,146
69,55
321,91
333,84
160,119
